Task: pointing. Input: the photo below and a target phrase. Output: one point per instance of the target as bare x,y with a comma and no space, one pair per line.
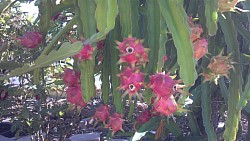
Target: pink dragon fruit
85,53
115,123
166,106
163,85
3,94
30,39
132,51
102,113
131,81
71,77
200,48
74,96
144,117
196,30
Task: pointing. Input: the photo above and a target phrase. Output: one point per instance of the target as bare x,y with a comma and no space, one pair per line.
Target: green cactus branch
233,116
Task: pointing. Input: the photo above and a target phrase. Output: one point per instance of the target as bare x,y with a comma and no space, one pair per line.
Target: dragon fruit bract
132,51
115,122
163,85
74,96
102,113
71,77
166,106
85,53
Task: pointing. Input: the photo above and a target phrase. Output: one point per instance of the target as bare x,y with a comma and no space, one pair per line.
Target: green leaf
176,19
211,10
148,126
66,50
105,14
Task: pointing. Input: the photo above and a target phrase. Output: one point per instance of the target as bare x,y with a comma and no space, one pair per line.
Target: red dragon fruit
85,53
144,117
71,77
74,96
166,106
200,48
131,81
3,94
30,39
220,65
115,123
163,85
132,51
102,113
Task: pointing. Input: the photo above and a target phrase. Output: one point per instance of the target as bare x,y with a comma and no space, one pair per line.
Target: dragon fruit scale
166,106
131,81
71,77
132,51
115,123
163,85
102,113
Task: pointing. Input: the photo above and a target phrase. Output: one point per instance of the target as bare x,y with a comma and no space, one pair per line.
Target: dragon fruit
3,94
166,106
196,30
71,77
163,85
131,81
74,95
102,113
85,53
132,51
115,123
144,117
220,65
31,39
200,48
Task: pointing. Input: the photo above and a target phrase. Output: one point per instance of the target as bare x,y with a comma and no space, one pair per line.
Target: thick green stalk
211,16
87,19
106,73
162,48
233,116
154,30
115,80
45,10
176,19
206,111
135,17
124,7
